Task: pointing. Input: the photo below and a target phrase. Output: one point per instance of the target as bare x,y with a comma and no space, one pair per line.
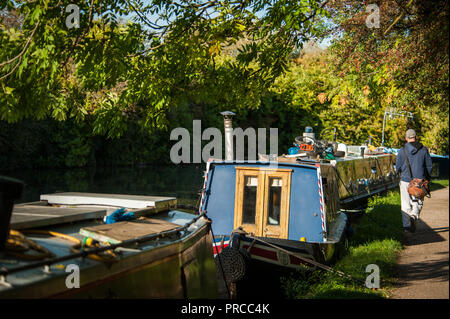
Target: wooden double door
262,201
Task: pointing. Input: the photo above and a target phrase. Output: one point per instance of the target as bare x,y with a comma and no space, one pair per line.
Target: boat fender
293,150
119,215
233,263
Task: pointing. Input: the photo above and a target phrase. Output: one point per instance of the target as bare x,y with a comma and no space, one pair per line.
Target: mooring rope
310,261
220,263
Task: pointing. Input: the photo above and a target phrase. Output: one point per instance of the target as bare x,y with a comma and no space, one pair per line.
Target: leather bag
417,187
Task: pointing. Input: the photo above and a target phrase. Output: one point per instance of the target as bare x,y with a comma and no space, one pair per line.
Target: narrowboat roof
293,161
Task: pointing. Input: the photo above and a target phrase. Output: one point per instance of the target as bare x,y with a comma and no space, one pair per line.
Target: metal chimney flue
228,124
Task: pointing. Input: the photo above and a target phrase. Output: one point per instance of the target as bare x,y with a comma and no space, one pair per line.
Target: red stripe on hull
262,252
217,249
269,254
296,261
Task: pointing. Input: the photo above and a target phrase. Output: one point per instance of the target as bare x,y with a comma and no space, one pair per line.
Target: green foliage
173,62
50,143
319,97
108,71
404,62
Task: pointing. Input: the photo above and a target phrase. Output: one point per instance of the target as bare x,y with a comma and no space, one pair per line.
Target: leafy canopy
140,59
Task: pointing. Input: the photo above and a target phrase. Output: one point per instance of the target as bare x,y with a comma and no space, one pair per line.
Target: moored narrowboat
291,210
85,245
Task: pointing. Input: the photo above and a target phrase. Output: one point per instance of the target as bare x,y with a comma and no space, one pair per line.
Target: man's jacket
419,160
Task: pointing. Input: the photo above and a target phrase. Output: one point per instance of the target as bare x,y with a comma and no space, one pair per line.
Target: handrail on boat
85,253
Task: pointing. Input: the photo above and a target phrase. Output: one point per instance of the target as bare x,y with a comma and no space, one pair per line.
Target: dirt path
423,264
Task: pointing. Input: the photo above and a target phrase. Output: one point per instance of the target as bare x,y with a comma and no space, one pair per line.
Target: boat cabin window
249,201
275,185
262,200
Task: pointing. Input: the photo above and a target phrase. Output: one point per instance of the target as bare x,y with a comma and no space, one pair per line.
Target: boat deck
59,208
83,221
119,200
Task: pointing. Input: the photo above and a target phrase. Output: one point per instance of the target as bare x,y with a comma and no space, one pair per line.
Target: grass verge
438,184
377,239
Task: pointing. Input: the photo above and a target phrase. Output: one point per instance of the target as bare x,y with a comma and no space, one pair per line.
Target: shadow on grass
384,221
438,184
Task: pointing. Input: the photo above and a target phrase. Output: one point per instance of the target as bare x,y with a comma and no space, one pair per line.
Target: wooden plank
32,216
119,200
120,231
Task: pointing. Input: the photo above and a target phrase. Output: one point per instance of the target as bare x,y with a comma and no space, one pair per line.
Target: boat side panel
305,216
365,175
182,269
220,194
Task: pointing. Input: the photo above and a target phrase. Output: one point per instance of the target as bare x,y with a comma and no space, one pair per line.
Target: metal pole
384,123
228,124
394,114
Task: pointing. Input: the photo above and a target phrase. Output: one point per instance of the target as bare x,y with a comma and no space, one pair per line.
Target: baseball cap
410,133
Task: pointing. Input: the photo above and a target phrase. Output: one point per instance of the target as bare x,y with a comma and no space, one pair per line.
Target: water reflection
181,181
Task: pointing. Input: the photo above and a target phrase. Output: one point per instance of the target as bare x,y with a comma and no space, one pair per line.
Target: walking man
421,165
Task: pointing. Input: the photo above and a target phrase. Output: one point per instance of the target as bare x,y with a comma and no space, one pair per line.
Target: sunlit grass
377,240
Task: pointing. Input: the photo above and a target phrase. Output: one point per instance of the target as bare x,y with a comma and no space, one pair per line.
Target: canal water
181,181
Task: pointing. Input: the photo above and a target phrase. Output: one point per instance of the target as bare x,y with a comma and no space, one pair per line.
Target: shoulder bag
417,187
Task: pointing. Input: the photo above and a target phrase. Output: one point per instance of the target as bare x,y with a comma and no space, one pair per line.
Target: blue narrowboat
290,210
